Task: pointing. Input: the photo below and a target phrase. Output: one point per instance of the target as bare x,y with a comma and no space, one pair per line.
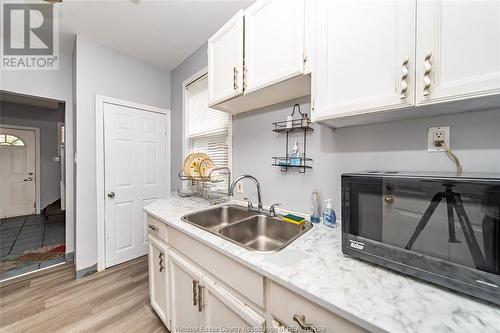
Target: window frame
185,123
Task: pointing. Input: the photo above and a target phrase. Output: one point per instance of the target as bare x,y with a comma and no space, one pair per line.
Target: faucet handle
272,209
250,204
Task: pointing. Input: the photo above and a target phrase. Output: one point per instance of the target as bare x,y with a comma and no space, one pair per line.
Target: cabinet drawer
284,304
157,228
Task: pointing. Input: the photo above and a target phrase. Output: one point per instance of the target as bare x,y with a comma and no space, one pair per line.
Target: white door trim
37,160
100,193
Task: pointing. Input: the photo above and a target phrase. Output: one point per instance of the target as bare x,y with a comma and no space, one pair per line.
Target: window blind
207,129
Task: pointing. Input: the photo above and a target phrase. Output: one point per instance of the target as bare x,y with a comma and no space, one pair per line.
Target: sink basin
215,218
263,233
252,230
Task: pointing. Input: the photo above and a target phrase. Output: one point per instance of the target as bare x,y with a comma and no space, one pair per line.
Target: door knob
111,195
388,199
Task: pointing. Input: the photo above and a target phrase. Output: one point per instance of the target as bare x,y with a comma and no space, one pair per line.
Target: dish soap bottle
295,155
329,218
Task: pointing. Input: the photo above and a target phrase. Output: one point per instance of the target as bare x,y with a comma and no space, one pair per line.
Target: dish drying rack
206,186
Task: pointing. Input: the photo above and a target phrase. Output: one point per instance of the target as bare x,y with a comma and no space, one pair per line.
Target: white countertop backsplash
373,297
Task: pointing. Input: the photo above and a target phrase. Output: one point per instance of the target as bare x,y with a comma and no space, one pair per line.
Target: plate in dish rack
193,165
206,167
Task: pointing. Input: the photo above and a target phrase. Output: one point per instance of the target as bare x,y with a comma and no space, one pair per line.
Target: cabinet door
458,50
223,309
274,42
185,284
364,58
225,61
158,279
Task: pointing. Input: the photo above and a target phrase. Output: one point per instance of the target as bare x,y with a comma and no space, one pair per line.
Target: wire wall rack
286,162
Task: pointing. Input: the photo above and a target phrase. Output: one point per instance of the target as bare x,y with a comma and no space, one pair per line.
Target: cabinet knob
111,195
427,73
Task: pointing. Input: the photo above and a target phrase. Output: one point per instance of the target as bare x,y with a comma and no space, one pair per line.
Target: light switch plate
442,130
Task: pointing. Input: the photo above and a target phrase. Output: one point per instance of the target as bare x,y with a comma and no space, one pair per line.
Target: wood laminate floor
115,300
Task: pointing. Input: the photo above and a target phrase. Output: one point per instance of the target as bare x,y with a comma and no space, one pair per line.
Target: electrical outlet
239,187
438,134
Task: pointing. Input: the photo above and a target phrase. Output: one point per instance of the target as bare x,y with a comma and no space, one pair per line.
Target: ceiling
162,33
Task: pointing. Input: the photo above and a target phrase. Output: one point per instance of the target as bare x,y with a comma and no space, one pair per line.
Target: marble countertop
373,297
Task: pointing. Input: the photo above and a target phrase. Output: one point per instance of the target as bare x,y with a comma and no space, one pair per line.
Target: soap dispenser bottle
329,218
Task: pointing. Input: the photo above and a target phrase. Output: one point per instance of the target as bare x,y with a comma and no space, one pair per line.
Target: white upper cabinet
364,59
274,42
275,64
458,50
225,61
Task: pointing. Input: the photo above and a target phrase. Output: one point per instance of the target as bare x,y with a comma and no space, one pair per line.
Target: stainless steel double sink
253,230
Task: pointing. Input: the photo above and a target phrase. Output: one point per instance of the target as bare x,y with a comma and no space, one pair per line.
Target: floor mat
32,256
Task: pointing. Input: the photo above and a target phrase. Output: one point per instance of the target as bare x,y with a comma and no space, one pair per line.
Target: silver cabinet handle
200,298
153,227
29,179
160,263
111,195
427,73
235,78
404,77
301,320
195,292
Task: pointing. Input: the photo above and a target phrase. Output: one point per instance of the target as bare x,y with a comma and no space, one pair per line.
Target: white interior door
17,172
135,175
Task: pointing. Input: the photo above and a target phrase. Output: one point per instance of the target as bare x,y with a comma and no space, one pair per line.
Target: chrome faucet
259,195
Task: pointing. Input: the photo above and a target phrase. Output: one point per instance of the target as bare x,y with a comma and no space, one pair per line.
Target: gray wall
46,120
101,70
400,145
55,85
194,63
397,145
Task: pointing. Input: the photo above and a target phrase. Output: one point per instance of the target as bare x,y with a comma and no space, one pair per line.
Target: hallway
30,242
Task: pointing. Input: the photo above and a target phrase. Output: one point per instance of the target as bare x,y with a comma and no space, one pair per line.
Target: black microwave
438,227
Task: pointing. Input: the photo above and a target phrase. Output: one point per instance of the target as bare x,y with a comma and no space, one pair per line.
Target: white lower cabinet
192,294
200,302
223,309
186,289
159,279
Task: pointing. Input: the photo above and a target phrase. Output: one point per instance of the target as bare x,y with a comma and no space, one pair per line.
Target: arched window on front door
10,140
